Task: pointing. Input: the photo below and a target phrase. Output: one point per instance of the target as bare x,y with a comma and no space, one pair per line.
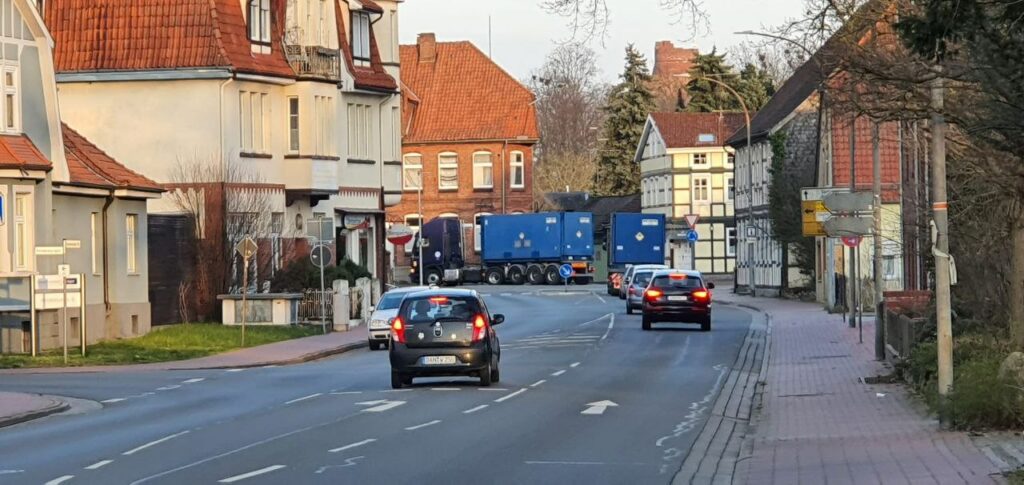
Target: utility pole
419,238
851,280
876,188
940,218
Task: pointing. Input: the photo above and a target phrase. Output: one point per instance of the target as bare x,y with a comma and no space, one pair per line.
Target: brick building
469,130
671,74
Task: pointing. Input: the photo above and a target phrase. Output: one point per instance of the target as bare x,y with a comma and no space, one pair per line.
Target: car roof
407,289
444,292
687,272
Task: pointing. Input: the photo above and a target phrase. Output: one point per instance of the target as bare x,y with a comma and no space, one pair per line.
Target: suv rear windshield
437,307
678,281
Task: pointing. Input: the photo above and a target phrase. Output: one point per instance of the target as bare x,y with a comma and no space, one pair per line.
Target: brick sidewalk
16,407
279,353
820,424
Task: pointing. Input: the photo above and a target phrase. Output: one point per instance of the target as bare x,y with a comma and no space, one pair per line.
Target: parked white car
386,309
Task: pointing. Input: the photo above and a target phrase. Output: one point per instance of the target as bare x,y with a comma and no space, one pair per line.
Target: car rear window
642,278
390,301
438,307
678,281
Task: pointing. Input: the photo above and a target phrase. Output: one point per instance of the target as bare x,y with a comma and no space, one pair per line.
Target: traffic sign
247,248
814,215
400,235
64,270
849,202
73,244
49,250
852,241
848,226
692,236
320,255
566,271
691,220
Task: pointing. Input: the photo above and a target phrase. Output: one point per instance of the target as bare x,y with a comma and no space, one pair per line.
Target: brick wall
466,201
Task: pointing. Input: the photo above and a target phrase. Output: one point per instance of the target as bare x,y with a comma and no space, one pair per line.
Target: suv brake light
653,294
701,295
398,329
479,328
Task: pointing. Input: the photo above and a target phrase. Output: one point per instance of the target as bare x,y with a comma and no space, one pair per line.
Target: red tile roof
371,6
464,96
889,154
128,35
18,151
372,77
683,130
88,165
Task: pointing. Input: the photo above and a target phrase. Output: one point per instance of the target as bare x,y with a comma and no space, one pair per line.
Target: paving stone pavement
819,423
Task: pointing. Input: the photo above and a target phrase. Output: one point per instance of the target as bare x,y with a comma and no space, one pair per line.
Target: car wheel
629,309
535,275
551,275
486,376
495,374
374,346
516,275
705,324
646,323
495,276
433,277
397,380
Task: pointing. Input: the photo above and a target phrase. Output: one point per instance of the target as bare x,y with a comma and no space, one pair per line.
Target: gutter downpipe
106,253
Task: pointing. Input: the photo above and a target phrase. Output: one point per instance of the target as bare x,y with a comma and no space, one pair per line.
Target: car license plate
439,360
677,298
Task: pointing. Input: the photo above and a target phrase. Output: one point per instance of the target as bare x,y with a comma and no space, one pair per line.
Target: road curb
57,406
723,441
323,354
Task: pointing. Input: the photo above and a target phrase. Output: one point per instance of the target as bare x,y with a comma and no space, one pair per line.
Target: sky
523,33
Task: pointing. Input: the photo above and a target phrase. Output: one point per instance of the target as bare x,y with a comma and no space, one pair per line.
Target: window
412,171
12,102
95,226
324,111
518,168
730,188
413,221
701,189
277,223
478,230
293,124
483,171
448,171
254,114
325,37
700,159
360,134
361,37
730,159
730,241
21,231
131,224
259,21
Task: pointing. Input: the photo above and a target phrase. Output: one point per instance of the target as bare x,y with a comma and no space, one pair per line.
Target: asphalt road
338,421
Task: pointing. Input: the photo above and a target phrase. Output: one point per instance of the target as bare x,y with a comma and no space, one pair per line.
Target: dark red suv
677,296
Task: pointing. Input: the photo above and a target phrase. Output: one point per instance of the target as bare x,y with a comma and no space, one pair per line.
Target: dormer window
259,21
361,38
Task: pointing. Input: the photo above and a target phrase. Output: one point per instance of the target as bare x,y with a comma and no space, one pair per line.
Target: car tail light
440,300
677,276
653,294
632,291
479,328
398,329
701,295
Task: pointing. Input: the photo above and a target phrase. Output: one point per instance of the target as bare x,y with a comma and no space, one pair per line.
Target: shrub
302,275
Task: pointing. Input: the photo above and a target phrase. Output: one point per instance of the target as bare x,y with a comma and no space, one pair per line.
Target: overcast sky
523,33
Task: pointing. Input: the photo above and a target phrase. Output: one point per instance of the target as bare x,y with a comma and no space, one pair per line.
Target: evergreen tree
756,87
628,106
707,96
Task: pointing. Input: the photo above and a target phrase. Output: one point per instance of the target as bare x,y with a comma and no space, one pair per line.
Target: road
338,421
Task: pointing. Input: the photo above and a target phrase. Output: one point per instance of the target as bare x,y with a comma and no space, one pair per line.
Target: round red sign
852,241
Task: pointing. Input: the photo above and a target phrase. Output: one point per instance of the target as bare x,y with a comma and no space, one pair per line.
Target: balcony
314,61
312,178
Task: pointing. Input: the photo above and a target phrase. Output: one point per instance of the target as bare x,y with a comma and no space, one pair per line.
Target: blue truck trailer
515,249
634,239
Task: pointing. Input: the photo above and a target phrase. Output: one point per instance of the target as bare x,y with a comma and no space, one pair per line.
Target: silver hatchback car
635,290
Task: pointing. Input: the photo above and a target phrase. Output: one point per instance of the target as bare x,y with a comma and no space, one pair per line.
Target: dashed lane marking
168,388
574,365
254,473
445,389
311,396
345,393
510,396
478,408
556,374
112,401
59,480
153,443
493,389
353,445
535,384
193,380
424,425
99,464
234,370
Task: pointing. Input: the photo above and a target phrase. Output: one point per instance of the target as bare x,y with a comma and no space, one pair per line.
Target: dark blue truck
634,239
515,249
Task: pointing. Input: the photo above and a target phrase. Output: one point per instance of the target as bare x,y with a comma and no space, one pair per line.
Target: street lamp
750,177
419,240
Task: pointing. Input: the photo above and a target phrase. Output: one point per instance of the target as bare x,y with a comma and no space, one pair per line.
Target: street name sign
849,202
73,244
49,250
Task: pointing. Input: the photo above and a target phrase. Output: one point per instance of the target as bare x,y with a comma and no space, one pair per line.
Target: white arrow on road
380,406
599,407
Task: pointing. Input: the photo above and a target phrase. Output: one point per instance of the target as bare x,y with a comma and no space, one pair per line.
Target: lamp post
419,239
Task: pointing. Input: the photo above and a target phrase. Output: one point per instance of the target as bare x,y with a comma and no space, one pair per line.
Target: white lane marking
270,366
353,445
398,390
556,374
535,384
510,396
585,463
520,348
193,380
168,388
574,365
492,389
598,319
11,472
234,370
478,408
153,443
598,408
345,393
116,399
348,462
424,425
380,406
445,389
311,396
99,464
251,474
611,325
599,298
59,480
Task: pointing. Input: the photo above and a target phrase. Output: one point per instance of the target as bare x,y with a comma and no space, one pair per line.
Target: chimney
426,44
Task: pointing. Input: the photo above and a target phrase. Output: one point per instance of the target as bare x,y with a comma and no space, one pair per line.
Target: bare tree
589,19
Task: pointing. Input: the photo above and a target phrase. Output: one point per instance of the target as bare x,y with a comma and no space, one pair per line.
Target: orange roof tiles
88,165
372,77
126,35
464,96
683,130
18,151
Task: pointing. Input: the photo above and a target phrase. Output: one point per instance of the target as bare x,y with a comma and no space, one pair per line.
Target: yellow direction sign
814,215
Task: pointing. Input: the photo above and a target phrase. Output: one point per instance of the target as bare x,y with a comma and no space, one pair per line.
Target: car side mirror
497,319
372,308
711,285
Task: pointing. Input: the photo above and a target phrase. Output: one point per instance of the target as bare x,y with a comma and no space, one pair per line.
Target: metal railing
314,61
313,305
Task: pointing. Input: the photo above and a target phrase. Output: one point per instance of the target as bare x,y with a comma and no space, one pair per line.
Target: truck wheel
551,275
535,275
433,277
494,276
516,275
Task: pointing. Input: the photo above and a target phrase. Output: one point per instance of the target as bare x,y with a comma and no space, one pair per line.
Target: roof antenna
489,51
